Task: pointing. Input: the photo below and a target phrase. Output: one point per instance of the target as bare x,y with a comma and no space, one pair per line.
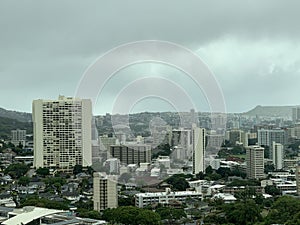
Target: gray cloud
252,46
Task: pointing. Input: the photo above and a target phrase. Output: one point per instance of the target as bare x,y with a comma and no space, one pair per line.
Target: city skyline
250,48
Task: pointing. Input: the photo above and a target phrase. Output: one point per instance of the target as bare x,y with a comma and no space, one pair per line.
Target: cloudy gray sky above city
252,48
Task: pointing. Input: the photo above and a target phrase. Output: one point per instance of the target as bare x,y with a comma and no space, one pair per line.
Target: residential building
296,114
255,161
131,154
298,178
62,133
164,198
105,195
18,137
198,140
267,137
278,155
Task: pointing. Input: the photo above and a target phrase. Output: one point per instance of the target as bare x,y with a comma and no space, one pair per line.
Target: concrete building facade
255,162
278,155
62,133
198,139
105,194
131,154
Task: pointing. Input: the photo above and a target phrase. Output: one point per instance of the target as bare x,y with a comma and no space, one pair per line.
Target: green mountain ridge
20,116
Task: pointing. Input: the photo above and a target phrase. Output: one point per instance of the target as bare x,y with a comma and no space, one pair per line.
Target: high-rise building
105,195
267,137
62,133
131,153
182,138
255,161
18,137
198,140
296,114
298,177
278,155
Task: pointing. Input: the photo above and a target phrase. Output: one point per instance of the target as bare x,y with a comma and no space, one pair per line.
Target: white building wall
198,137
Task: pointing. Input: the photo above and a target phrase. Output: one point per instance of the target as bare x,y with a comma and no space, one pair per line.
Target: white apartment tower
198,139
62,133
255,161
278,155
105,192
298,177
296,114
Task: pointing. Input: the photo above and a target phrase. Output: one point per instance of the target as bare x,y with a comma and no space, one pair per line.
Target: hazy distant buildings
267,137
62,133
296,114
131,154
215,141
235,136
255,162
105,195
278,155
182,138
198,139
18,137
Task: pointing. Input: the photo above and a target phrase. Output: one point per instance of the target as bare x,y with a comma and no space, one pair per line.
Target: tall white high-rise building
298,177
105,192
296,114
255,161
278,155
198,139
62,133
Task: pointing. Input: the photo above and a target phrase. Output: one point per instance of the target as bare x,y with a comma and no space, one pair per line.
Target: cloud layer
251,46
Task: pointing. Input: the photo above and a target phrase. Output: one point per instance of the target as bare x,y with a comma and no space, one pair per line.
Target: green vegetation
285,210
172,215
44,202
130,215
162,149
16,170
43,172
23,181
178,182
8,124
272,190
235,151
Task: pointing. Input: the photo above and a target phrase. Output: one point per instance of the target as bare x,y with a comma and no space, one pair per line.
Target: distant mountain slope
20,116
8,124
276,111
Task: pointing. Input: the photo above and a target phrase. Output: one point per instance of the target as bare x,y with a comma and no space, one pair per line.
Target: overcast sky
252,47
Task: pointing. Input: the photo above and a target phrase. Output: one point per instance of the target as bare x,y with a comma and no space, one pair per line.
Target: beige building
198,139
62,133
255,161
105,192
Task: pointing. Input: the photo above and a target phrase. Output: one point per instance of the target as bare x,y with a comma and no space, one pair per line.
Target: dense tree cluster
178,182
257,211
44,202
130,215
16,170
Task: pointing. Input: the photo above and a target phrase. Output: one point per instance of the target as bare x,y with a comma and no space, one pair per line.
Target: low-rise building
164,198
